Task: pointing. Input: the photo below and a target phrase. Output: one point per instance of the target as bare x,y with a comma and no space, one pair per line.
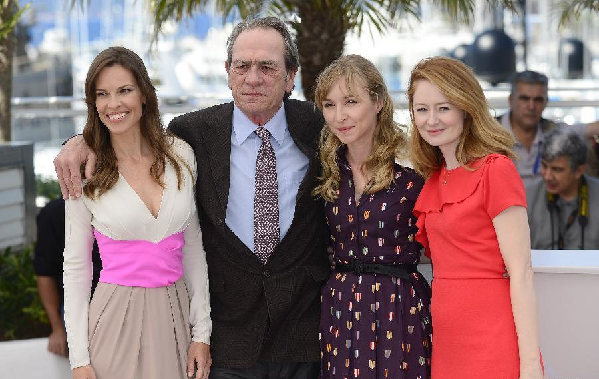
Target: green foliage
23,315
6,26
380,13
48,188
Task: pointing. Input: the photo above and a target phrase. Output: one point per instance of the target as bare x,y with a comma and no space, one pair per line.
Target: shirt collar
505,121
243,127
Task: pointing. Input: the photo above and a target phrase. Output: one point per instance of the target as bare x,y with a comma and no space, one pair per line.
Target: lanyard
582,211
569,222
537,165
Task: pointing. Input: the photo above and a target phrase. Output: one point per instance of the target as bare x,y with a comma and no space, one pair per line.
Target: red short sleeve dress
474,335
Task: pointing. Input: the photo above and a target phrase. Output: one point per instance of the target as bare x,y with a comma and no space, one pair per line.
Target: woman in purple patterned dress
375,318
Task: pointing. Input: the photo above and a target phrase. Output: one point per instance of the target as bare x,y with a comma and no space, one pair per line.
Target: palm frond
378,14
7,26
462,10
245,8
165,10
571,10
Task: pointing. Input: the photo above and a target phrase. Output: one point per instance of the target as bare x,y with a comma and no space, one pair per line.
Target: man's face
527,104
257,75
559,177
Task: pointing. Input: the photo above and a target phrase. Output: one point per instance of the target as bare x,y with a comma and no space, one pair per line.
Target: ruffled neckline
453,186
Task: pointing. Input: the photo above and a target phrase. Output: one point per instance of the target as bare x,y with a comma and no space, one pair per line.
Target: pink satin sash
139,263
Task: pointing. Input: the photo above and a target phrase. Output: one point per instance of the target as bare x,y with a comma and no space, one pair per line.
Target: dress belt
407,272
403,271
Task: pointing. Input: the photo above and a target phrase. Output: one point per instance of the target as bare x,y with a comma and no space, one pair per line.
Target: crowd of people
558,164
276,238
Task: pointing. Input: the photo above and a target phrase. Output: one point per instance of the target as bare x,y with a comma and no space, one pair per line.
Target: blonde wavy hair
389,141
482,134
97,136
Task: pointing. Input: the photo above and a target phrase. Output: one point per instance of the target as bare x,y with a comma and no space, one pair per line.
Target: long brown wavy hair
482,134
389,141
97,136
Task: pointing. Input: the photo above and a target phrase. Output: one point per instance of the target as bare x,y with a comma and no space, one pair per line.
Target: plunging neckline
142,201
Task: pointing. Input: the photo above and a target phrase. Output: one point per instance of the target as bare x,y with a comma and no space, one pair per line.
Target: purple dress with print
373,325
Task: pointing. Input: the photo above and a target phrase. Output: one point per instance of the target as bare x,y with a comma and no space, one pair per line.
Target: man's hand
57,342
84,372
68,162
199,353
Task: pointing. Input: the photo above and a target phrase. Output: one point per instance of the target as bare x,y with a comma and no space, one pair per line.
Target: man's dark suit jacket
259,312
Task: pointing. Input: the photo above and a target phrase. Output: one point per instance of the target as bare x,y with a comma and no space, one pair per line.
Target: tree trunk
320,40
6,54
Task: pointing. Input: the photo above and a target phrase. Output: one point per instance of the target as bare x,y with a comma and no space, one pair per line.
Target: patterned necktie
266,199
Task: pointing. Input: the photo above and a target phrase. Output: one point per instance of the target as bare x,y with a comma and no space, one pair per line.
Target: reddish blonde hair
482,134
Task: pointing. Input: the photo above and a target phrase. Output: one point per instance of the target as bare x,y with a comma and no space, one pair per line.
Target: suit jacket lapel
217,135
217,139
296,123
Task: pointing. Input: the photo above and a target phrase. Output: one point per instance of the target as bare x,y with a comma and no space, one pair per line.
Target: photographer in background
527,100
563,204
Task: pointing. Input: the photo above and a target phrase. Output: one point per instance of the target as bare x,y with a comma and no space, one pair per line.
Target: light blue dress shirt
292,166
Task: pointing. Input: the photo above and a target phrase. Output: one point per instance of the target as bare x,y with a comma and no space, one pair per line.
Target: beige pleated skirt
137,332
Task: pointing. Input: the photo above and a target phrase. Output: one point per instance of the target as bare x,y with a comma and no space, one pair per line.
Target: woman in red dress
472,221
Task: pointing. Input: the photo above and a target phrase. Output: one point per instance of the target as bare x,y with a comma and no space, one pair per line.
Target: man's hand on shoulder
67,165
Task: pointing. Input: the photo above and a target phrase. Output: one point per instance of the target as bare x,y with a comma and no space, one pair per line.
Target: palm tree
320,25
9,16
572,9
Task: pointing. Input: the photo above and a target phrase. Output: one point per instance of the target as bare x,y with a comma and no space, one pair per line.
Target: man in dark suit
265,307
265,315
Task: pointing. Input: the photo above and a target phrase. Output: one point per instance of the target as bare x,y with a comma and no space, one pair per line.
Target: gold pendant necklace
447,172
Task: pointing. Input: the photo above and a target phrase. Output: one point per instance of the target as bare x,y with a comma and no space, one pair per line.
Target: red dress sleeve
503,186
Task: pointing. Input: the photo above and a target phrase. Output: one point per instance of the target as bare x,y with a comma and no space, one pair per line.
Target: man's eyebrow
271,62
531,97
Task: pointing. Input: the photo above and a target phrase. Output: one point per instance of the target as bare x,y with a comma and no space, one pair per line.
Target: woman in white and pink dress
139,206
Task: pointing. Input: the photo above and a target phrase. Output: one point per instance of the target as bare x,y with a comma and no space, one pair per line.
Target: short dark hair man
563,205
527,100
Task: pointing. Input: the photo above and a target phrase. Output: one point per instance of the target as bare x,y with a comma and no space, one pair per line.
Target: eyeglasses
267,68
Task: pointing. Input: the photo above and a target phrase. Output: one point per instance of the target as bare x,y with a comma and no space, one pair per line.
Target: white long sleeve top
121,215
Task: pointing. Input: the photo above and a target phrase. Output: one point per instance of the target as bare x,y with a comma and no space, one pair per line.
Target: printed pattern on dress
374,326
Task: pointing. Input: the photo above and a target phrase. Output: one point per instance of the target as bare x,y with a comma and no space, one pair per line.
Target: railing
48,121
17,194
62,107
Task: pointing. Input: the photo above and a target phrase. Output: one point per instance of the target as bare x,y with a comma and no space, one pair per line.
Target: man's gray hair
291,54
561,142
528,77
